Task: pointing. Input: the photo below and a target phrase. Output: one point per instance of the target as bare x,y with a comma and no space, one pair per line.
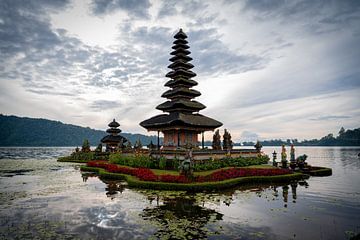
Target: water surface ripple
41,198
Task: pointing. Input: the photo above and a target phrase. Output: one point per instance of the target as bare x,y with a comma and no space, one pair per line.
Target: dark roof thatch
181,105
113,130
181,57
180,35
180,41
180,45
196,121
180,64
181,72
181,91
180,50
180,82
114,124
113,139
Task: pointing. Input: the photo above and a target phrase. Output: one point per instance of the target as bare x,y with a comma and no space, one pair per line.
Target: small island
182,162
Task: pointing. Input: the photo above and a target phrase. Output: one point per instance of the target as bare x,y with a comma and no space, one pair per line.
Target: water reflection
181,218
113,188
182,215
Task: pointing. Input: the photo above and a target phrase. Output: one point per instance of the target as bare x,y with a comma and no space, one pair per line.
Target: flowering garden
146,174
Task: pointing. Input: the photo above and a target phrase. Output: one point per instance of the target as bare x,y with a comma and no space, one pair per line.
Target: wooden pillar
202,140
178,140
158,141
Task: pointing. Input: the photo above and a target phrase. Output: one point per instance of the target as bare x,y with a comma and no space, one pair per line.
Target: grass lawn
261,166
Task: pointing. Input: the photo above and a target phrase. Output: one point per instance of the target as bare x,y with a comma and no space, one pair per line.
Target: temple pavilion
181,122
113,140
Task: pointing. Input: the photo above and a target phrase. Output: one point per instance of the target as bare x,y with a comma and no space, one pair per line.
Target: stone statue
274,159
98,149
283,156
86,146
121,144
292,157
301,161
292,153
216,144
258,146
138,145
186,166
227,143
128,145
151,146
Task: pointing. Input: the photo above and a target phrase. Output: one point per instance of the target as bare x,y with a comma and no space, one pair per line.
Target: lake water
41,198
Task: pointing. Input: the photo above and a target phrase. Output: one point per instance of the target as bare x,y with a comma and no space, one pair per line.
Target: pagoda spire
181,122
180,95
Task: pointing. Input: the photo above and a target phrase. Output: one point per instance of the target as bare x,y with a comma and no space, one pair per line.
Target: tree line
344,138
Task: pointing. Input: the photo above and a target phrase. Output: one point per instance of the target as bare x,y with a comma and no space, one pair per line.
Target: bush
78,157
162,163
132,160
230,162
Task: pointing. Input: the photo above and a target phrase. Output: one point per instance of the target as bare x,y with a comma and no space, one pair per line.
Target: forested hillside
23,131
344,138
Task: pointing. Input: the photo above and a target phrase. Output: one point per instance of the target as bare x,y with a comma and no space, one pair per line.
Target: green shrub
78,157
131,160
230,162
162,163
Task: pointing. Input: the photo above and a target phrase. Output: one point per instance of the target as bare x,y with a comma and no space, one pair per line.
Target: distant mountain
23,131
345,138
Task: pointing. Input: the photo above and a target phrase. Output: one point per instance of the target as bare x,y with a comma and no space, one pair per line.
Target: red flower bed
174,178
141,173
241,172
117,169
146,174
98,164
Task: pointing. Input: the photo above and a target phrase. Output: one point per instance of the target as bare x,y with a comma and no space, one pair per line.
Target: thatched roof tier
181,92
180,45
180,64
196,122
180,72
180,50
179,81
182,57
180,41
181,105
180,35
114,124
113,139
113,131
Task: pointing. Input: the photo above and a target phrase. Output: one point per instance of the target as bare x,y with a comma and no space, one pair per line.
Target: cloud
134,8
248,136
184,8
329,118
212,56
317,17
254,59
32,51
105,104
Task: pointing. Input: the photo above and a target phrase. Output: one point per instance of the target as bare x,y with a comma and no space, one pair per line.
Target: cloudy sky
266,69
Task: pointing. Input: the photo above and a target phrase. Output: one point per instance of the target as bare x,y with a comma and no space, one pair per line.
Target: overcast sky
266,69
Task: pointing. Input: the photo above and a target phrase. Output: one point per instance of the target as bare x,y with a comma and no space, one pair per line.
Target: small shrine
181,124
113,141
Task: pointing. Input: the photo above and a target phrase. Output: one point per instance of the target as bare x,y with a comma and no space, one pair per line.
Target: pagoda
181,122
113,140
